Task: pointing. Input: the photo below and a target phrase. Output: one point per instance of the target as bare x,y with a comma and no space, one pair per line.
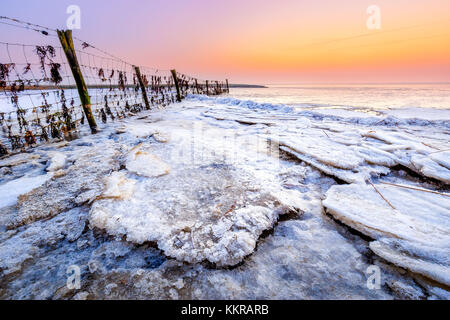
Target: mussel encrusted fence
60,85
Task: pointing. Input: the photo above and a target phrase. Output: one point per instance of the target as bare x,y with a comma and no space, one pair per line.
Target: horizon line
341,83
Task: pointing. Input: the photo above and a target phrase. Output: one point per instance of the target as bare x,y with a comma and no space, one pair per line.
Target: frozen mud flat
194,202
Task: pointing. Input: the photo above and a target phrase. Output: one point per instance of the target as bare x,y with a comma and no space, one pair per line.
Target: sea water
422,101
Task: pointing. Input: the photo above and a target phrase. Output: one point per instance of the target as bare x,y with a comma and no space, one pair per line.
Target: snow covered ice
146,164
415,235
219,198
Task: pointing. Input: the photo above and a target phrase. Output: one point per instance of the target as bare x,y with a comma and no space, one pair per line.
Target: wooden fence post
207,87
141,84
175,79
196,86
65,37
228,88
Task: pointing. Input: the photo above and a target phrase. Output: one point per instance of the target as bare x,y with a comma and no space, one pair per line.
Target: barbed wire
39,98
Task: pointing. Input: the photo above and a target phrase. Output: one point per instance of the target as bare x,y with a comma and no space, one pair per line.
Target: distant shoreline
237,85
53,87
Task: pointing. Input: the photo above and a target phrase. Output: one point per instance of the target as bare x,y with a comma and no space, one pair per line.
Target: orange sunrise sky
266,42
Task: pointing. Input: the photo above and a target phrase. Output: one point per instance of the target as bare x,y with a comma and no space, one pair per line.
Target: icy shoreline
221,198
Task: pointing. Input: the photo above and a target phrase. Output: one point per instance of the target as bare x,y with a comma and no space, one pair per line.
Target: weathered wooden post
228,88
65,37
175,80
142,86
196,86
207,87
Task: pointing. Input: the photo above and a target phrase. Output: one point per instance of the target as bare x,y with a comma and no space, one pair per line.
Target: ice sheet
418,220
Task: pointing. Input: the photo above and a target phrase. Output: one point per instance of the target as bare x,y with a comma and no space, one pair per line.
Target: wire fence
40,100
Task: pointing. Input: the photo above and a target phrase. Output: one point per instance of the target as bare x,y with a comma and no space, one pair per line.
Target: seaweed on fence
69,123
103,115
54,72
55,131
3,150
29,138
101,75
45,107
105,77
16,142
122,80
5,69
26,69
44,134
45,52
108,109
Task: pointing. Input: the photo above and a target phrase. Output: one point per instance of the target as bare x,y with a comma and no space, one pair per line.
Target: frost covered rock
415,235
146,164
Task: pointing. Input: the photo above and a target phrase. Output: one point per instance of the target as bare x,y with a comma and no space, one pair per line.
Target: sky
264,42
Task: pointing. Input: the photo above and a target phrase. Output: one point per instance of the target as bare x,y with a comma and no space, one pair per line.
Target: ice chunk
418,215
377,156
225,242
416,155
146,164
442,158
195,214
419,222
161,137
430,168
57,161
360,174
326,151
398,139
118,186
140,130
428,260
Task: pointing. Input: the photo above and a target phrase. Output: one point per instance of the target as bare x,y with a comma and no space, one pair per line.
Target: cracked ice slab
426,159
415,235
214,212
357,156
